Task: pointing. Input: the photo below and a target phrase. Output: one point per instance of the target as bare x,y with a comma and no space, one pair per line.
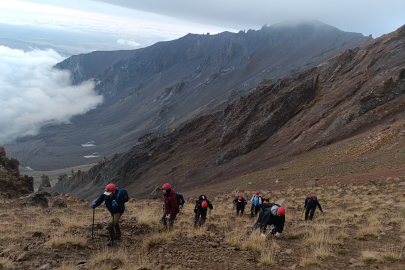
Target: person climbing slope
310,206
271,214
240,205
200,210
171,207
256,204
115,204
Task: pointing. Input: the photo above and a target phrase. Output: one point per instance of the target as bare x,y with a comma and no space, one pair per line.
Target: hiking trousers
255,208
171,220
111,226
241,211
307,210
203,215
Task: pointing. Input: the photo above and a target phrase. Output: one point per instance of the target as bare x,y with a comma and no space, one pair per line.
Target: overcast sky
139,23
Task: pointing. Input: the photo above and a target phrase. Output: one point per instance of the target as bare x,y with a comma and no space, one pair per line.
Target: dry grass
157,238
64,239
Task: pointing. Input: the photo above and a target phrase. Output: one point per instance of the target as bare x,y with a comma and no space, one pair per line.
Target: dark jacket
267,217
171,205
108,203
241,204
314,203
199,208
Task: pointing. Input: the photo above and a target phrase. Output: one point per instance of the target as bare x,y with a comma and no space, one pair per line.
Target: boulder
56,222
37,200
156,194
311,184
59,203
285,203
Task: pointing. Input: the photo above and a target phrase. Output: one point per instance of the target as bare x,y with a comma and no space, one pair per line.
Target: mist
34,94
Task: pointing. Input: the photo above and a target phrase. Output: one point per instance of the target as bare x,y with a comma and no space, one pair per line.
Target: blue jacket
256,200
108,203
314,203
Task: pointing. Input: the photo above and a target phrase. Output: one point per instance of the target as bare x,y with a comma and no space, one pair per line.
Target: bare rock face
44,182
12,183
156,194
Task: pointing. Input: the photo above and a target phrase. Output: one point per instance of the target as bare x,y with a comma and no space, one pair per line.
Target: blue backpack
124,193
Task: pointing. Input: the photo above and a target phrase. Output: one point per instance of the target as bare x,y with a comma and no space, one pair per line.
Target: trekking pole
92,229
112,238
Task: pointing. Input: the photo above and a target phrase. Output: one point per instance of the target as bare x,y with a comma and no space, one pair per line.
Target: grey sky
374,17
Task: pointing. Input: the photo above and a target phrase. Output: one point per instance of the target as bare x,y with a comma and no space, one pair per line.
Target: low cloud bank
33,94
128,42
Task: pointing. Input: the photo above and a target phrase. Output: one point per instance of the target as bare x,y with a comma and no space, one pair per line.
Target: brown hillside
353,94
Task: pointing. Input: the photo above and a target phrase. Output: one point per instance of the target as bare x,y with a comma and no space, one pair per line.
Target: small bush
342,251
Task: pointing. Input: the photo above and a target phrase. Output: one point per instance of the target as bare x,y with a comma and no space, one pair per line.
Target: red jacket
171,206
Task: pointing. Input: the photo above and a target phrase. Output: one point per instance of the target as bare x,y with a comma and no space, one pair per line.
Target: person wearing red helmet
310,205
200,210
271,214
240,205
256,204
116,206
171,207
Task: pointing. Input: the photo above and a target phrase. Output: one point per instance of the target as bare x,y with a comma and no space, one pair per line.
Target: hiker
256,204
310,205
240,205
115,203
171,207
271,214
200,210
265,200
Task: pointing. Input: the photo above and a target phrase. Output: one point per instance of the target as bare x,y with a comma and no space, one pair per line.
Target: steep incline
171,82
352,92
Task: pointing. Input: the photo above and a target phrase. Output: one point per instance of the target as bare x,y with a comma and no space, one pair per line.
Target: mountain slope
353,92
172,82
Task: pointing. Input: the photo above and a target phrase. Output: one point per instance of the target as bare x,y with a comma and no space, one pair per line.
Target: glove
181,206
93,206
168,216
278,235
263,235
272,231
114,204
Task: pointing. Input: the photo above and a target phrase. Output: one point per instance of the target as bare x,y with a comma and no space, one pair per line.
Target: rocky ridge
354,91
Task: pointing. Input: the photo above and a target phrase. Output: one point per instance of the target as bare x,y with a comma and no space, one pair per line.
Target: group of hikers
269,213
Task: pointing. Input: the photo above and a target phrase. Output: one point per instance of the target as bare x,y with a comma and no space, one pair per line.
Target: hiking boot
110,243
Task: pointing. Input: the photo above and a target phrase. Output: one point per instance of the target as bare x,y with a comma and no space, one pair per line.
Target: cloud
34,94
128,42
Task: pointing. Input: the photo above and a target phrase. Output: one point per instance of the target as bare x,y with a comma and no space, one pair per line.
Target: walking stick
92,229
112,238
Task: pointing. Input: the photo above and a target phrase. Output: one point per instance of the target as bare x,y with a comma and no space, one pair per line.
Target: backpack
124,193
180,198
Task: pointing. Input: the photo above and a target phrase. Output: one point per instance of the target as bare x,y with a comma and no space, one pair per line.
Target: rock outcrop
13,185
45,183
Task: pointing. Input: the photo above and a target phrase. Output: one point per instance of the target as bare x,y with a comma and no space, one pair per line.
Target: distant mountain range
358,92
162,86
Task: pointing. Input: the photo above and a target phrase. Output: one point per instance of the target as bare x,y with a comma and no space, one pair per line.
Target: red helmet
166,186
257,192
204,204
281,211
310,197
240,198
110,189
